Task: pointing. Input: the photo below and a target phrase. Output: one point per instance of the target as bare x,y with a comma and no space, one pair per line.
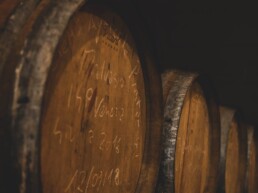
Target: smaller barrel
191,130
233,152
252,160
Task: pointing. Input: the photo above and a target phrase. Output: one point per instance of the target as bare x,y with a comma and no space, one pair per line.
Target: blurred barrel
6,9
190,137
233,152
252,160
86,104
16,18
16,22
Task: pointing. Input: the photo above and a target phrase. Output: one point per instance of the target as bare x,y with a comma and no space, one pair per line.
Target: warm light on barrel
233,159
83,103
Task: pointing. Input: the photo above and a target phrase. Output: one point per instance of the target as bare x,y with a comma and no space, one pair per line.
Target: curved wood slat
233,152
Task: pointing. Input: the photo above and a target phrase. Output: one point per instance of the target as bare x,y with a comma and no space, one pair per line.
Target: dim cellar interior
128,96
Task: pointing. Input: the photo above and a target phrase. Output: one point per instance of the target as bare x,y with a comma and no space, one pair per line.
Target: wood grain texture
190,136
101,119
252,160
233,152
95,117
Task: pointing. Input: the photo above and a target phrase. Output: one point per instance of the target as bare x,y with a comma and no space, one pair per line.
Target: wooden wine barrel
233,152
190,137
86,105
252,160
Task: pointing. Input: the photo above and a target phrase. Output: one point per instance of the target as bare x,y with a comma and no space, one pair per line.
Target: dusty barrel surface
190,138
6,9
252,160
16,21
16,18
84,117
233,152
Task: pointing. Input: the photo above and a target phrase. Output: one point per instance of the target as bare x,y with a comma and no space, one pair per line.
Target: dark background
216,38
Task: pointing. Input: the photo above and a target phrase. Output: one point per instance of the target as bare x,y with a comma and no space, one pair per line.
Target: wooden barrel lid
252,160
191,136
233,152
99,127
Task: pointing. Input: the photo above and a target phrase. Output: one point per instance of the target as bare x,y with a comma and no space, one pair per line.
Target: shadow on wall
219,39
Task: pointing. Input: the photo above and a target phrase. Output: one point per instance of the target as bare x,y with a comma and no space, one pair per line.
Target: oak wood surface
192,150
233,152
252,160
94,122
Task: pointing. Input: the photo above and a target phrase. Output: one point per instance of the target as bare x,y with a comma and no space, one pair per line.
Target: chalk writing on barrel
94,179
